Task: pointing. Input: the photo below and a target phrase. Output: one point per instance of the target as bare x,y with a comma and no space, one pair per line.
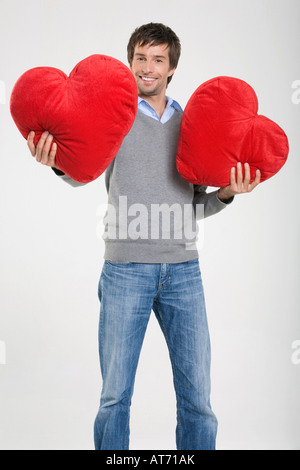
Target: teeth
148,79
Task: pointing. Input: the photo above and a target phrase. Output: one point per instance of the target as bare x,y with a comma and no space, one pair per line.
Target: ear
171,72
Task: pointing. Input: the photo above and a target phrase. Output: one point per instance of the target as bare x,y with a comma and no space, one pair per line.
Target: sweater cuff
58,172
228,201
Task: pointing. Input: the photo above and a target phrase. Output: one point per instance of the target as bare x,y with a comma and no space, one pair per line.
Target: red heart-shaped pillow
89,113
220,127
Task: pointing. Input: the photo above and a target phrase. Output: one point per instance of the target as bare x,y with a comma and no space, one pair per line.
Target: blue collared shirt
147,109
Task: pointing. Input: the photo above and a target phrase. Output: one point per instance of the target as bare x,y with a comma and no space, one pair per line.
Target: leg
126,294
180,310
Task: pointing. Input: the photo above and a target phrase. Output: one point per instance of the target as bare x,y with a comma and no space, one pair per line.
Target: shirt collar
169,102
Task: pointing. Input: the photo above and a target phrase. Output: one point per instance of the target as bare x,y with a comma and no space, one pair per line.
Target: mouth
148,80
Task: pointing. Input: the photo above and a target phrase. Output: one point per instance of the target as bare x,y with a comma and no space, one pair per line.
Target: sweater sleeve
67,179
212,204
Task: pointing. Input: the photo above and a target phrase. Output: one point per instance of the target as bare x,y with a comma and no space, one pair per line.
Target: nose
147,67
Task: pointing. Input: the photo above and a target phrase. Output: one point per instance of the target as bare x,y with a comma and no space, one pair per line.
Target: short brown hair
155,34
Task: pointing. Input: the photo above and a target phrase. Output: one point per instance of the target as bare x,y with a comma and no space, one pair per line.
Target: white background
51,257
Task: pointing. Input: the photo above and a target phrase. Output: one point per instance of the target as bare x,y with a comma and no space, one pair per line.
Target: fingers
247,176
232,177
31,144
239,177
52,154
43,147
46,150
256,180
44,153
241,182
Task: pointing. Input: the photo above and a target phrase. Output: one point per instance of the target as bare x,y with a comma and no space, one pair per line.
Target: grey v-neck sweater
151,216
152,210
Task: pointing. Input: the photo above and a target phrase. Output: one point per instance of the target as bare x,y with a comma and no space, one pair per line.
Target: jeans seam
162,286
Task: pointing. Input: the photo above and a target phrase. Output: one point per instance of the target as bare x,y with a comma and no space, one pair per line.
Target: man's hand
238,185
42,152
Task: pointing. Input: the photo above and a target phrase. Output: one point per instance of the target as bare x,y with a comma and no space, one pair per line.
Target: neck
158,102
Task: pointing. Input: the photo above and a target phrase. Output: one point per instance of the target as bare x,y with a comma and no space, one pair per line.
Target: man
153,267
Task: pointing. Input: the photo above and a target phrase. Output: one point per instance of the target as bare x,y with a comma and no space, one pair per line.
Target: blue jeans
128,292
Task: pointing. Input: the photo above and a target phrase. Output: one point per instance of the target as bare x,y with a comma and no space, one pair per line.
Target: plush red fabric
89,113
220,127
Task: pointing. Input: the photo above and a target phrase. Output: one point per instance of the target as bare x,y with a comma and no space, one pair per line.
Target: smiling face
151,69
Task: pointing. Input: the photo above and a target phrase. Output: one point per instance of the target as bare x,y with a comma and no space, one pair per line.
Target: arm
211,201
45,154
215,201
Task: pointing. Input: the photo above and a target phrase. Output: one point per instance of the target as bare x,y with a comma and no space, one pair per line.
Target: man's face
151,69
